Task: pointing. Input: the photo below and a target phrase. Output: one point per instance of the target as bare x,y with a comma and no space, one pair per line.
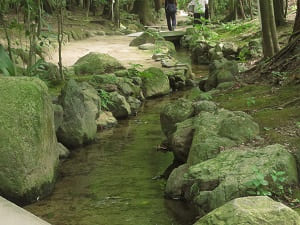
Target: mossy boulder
219,130
107,82
212,183
146,37
256,210
28,145
118,105
180,141
155,82
58,115
164,47
81,105
96,63
221,71
176,182
204,106
173,113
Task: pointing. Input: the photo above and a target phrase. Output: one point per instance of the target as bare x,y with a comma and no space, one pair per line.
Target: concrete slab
11,214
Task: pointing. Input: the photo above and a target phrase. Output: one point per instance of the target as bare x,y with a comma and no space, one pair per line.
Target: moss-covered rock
231,174
221,71
146,37
164,47
180,141
107,82
173,113
212,133
81,105
28,146
118,105
258,210
155,82
204,106
96,63
174,187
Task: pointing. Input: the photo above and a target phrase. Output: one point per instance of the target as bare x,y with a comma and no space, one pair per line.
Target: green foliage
206,96
279,77
36,70
237,28
204,30
258,186
6,65
105,98
298,124
134,70
251,101
244,54
278,178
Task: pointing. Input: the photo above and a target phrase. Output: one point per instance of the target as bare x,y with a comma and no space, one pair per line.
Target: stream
111,181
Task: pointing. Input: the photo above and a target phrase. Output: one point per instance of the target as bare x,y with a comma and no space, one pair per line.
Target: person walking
200,10
171,9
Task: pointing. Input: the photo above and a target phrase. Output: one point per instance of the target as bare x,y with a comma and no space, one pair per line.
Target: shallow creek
111,181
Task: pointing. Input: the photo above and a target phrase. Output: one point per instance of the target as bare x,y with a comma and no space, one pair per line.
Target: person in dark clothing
171,8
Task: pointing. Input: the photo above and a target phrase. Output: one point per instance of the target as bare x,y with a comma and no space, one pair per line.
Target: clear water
110,182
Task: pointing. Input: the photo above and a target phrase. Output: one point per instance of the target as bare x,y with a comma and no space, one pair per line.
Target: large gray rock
180,141
27,140
173,113
256,210
221,71
219,130
231,174
106,120
146,37
118,105
174,187
155,82
96,63
81,105
58,115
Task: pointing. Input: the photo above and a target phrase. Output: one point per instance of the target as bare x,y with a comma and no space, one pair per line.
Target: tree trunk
143,9
117,13
279,12
211,8
270,41
297,20
60,37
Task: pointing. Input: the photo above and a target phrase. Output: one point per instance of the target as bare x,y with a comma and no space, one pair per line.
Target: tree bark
297,20
270,41
143,9
279,12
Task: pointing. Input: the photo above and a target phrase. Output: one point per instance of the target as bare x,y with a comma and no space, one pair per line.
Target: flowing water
110,182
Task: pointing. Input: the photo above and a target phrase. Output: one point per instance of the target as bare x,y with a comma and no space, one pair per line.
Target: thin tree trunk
250,9
60,39
279,12
268,48
273,27
242,9
297,20
39,18
117,13
211,9
88,8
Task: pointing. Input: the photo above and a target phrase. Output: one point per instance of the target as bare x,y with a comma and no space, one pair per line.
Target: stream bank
111,181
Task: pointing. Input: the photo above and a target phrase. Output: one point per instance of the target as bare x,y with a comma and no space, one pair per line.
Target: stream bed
111,181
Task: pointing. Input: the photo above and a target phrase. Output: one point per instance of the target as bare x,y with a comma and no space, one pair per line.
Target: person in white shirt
200,10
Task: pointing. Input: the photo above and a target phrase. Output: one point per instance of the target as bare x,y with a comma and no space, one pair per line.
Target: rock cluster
217,167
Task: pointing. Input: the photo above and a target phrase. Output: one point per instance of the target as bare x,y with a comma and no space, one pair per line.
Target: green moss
276,122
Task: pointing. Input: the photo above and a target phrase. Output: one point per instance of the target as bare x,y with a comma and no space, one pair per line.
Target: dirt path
116,46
